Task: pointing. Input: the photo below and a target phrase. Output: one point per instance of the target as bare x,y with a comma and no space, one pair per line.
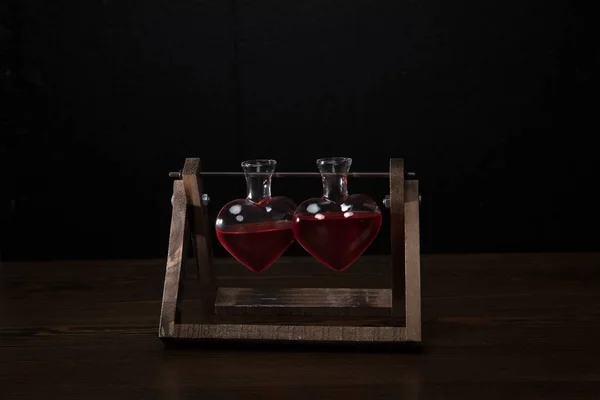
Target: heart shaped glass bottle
258,229
336,228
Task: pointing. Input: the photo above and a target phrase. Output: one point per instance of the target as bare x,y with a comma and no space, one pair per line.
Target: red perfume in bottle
257,230
336,228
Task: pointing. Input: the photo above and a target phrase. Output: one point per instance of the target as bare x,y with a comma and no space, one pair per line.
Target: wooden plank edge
290,333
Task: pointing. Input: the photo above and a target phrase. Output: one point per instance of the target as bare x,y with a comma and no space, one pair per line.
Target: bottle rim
334,160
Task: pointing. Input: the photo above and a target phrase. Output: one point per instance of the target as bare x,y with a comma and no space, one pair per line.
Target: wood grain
304,301
397,235
200,228
293,333
503,326
173,283
412,264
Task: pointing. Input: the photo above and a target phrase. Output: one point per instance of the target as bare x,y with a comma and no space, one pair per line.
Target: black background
493,104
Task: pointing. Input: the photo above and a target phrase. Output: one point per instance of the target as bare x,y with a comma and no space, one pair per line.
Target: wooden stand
398,307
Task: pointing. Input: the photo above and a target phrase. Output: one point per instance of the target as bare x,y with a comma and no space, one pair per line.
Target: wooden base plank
296,333
303,301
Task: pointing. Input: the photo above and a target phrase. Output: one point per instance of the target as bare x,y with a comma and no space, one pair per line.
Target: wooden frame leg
397,235
170,314
200,230
412,263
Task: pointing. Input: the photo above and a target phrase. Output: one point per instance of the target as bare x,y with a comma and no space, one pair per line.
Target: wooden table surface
495,327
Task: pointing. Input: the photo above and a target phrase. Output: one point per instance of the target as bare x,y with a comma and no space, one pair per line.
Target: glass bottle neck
335,187
334,174
258,179
259,187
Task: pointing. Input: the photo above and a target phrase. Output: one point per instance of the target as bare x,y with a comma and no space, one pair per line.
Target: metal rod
177,175
300,174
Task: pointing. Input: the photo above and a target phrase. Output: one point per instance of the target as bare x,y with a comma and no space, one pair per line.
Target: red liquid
258,245
337,240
